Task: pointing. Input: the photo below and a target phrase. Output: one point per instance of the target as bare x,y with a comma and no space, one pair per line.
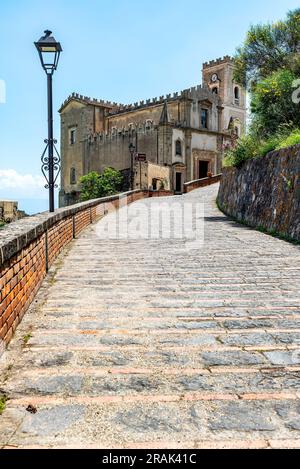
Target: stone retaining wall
192,185
265,192
29,247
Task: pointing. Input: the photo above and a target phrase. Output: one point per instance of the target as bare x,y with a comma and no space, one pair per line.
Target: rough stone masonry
265,192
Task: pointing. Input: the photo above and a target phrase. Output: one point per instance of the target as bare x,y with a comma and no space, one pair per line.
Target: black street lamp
49,51
132,152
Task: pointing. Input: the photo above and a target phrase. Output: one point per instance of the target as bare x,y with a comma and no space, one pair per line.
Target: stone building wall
9,211
265,192
103,150
151,176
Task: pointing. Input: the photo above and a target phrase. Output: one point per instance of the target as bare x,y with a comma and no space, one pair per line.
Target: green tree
95,185
268,48
110,182
272,106
90,186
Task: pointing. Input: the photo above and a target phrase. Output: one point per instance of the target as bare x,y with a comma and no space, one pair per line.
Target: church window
178,148
236,95
72,136
204,118
215,90
73,176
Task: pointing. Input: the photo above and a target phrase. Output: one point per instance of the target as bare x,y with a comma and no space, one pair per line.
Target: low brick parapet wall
192,185
30,246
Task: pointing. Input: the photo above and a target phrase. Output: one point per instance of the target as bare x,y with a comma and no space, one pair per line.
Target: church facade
181,136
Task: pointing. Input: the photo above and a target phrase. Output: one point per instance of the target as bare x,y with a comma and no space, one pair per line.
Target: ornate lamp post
49,51
132,152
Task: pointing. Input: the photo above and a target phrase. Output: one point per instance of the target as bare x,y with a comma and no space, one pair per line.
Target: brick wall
20,278
58,237
29,247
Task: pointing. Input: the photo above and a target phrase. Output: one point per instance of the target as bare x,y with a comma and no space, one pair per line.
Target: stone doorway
203,169
178,183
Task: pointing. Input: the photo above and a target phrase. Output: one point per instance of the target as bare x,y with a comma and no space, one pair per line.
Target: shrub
268,145
89,186
95,185
272,105
246,148
251,147
290,140
110,182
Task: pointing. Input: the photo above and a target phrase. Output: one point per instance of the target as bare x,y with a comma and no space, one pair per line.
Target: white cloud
14,185
10,179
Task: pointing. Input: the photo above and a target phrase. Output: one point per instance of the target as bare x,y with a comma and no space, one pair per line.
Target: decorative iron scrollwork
46,163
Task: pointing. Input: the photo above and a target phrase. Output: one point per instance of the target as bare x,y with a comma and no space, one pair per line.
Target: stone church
181,136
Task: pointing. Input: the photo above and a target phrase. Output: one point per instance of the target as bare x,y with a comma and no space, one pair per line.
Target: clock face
214,77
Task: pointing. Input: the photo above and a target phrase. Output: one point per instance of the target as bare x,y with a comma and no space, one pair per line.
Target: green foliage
289,140
272,104
268,48
3,400
27,337
95,185
268,145
110,182
269,64
90,186
246,148
250,146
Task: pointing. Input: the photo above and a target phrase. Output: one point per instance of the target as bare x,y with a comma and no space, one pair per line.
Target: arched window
73,176
204,118
148,124
236,95
178,148
215,90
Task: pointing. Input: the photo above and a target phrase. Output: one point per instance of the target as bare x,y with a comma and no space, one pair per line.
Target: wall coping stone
201,182
17,235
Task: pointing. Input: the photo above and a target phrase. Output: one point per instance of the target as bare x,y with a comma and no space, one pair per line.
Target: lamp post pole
132,151
50,144
49,51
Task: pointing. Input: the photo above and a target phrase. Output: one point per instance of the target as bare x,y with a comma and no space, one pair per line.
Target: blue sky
118,50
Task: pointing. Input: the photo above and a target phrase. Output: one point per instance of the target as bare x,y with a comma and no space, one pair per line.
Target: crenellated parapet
221,60
91,101
114,108
189,93
145,103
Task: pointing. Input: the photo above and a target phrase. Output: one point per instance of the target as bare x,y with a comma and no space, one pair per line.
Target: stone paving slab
147,344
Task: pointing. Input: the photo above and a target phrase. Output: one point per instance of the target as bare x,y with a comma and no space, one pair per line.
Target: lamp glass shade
49,51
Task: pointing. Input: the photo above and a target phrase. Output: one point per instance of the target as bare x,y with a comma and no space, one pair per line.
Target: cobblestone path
148,344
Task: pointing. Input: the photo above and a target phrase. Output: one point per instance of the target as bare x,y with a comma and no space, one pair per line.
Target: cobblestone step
62,422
